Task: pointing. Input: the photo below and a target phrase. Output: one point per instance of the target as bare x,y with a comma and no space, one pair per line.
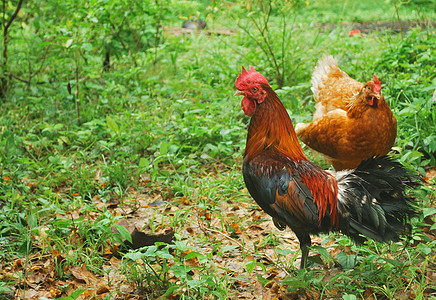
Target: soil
394,26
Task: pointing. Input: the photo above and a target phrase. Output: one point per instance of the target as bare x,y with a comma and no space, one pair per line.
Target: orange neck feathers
271,128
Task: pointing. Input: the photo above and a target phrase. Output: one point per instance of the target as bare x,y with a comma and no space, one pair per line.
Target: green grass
171,132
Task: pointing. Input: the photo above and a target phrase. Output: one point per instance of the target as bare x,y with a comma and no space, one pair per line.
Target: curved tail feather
372,200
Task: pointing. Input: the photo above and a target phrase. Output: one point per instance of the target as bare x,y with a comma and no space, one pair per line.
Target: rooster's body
299,194
352,122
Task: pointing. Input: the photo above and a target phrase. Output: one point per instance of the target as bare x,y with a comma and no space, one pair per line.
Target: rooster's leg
305,243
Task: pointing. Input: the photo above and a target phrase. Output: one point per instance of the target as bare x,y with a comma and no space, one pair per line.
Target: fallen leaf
82,274
186,201
142,239
101,289
236,228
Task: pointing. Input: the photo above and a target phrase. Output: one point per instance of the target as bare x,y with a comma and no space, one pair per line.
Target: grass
160,146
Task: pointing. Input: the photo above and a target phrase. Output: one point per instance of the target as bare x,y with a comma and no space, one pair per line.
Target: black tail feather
372,200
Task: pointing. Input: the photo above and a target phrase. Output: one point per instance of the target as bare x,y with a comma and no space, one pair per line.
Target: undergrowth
158,137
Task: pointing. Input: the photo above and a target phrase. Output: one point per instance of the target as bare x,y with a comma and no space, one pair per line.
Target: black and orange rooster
368,201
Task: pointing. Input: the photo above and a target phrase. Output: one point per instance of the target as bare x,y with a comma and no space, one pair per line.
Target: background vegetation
109,112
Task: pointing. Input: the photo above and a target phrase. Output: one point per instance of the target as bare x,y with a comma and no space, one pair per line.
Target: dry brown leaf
236,228
101,289
88,294
186,201
82,274
259,289
272,274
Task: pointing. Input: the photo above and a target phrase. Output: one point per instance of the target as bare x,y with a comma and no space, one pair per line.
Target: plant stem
78,93
156,36
398,19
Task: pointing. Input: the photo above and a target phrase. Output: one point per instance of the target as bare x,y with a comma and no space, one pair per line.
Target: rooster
297,193
352,121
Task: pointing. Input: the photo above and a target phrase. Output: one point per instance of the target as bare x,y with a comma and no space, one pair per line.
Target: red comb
247,77
377,84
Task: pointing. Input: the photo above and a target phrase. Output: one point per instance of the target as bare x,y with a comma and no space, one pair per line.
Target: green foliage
410,66
157,117
150,268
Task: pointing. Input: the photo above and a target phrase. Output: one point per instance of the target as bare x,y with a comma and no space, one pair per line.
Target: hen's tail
325,65
372,200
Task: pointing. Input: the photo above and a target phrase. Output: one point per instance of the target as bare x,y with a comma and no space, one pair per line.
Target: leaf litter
254,255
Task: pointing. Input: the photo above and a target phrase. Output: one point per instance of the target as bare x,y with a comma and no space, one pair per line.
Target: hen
297,193
352,121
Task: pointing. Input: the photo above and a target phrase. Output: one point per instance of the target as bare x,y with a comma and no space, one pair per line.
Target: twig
17,77
223,234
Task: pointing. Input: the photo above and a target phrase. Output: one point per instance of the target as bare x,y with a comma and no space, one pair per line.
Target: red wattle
248,106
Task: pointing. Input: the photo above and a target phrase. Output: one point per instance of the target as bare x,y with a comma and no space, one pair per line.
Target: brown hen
352,121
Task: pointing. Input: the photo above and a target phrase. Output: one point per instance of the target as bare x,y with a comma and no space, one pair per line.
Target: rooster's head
251,85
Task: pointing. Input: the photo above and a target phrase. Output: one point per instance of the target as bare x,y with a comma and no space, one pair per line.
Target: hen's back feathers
352,122
332,88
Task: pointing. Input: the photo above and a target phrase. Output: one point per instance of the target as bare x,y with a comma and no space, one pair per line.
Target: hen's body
299,194
352,121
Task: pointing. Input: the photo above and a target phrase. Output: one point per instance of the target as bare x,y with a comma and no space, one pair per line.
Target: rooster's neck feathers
271,129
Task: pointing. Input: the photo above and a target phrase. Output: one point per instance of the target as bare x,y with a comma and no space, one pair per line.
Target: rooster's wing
279,190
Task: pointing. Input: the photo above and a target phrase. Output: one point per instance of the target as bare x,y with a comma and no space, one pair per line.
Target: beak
239,93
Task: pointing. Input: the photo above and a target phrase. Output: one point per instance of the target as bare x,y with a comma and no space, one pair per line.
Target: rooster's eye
254,89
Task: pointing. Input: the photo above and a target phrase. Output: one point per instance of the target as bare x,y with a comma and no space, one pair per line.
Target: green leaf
346,261
180,270
74,295
349,297
428,211
228,248
194,254
295,283
87,47
170,290
68,43
423,248
283,252
250,266
134,255
112,125
164,148
323,251
143,162
124,232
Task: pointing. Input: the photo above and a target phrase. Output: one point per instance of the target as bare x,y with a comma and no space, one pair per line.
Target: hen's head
251,85
371,92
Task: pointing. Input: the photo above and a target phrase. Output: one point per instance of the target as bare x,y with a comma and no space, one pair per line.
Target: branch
5,31
255,40
17,77
14,15
43,61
